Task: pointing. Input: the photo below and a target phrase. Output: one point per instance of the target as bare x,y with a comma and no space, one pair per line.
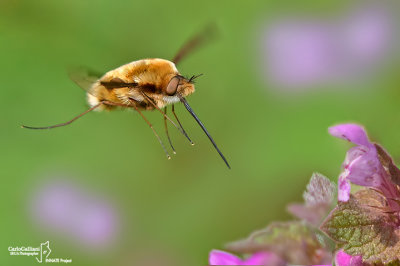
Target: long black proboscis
190,110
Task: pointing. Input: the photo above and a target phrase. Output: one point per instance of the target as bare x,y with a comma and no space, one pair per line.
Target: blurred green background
169,212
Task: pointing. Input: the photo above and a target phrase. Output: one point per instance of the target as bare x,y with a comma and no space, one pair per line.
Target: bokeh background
101,190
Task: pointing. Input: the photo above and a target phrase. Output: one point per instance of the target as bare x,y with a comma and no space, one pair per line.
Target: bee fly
146,84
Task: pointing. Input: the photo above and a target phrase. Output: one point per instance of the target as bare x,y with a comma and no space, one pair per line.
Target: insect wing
209,33
83,77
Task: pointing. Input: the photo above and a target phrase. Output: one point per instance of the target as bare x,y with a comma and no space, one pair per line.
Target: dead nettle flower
303,52
218,257
366,224
70,210
344,259
293,242
368,165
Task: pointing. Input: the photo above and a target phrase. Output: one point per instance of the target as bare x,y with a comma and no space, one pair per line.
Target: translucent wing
83,77
209,33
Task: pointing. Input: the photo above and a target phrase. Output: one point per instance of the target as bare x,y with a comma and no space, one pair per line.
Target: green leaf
295,242
363,226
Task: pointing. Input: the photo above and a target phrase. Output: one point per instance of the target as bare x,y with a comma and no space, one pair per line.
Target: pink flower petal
218,257
343,189
263,258
362,167
350,132
344,259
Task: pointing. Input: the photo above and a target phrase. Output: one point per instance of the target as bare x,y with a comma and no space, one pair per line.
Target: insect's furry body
146,76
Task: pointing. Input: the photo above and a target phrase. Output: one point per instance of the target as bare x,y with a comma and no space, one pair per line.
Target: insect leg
166,131
154,131
165,116
147,121
179,122
68,122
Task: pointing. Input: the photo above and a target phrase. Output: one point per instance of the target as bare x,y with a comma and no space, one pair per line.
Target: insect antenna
166,131
165,116
190,110
65,123
179,122
192,78
195,42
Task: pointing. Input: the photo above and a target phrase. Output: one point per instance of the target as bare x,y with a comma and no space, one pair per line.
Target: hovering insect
147,84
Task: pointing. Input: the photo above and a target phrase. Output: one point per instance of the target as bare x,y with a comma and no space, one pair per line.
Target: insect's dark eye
173,85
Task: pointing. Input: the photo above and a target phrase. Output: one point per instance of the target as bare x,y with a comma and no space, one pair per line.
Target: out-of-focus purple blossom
71,211
218,257
302,53
367,34
344,259
299,53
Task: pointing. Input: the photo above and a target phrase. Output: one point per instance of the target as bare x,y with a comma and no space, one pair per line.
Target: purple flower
71,211
302,53
367,33
350,132
344,188
299,53
218,257
344,259
363,165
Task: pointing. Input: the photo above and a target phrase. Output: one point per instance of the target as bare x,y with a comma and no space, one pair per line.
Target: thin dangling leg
166,131
145,119
165,116
65,123
179,122
154,131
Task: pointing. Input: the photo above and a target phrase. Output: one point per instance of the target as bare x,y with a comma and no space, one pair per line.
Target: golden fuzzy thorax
148,76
